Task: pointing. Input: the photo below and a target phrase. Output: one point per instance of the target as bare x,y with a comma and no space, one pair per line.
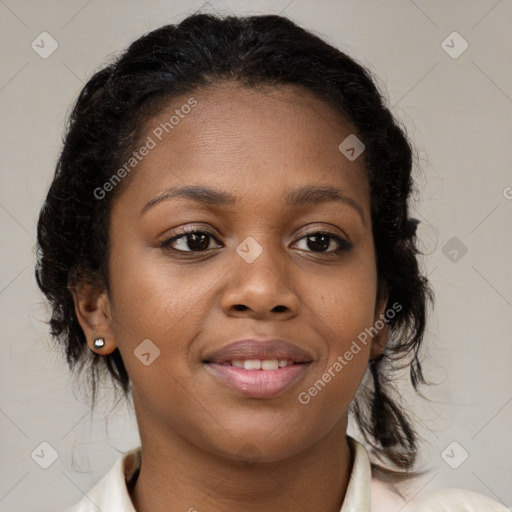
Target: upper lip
253,348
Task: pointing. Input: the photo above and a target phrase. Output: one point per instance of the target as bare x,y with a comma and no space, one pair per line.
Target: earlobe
380,339
92,308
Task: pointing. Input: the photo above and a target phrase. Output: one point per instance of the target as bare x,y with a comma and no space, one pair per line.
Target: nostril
277,309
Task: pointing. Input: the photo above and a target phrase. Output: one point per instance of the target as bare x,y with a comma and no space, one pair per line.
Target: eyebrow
302,196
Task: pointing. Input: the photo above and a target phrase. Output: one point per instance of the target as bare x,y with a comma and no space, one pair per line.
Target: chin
260,448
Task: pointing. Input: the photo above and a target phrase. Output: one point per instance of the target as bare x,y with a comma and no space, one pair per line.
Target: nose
260,289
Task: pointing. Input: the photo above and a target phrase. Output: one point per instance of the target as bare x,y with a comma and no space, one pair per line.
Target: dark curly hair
106,124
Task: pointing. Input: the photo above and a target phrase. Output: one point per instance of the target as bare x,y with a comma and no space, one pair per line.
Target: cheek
327,396
343,302
151,296
153,299
344,316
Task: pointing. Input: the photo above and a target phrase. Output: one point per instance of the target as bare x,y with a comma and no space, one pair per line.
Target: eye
190,241
320,241
195,240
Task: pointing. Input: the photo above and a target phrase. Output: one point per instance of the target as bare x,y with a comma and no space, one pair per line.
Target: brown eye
320,241
192,241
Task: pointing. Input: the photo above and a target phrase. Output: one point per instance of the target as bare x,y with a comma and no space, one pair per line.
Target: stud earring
99,343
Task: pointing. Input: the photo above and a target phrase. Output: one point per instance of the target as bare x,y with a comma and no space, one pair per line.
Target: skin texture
199,438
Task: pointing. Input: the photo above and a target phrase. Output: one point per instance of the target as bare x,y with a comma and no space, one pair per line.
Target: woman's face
254,269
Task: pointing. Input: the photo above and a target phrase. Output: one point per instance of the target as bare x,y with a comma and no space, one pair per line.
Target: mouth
257,368
259,364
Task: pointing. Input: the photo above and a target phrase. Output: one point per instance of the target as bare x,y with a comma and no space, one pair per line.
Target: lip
274,348
259,383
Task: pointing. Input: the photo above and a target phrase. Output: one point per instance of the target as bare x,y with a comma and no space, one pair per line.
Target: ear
92,309
380,339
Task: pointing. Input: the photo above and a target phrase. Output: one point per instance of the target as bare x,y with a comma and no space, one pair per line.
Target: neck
175,471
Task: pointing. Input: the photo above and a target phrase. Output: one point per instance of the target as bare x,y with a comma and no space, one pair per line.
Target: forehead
246,140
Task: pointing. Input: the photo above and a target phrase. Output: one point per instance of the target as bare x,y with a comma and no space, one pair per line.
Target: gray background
458,111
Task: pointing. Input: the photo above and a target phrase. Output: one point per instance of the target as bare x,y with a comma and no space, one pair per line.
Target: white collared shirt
365,493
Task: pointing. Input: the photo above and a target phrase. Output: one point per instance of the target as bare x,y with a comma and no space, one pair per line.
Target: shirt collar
111,493
357,496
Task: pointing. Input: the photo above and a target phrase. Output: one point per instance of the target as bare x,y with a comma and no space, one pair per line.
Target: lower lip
259,383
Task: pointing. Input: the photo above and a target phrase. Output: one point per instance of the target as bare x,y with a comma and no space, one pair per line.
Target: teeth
270,364
257,364
252,364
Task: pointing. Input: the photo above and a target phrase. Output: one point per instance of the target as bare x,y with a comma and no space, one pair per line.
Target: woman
227,234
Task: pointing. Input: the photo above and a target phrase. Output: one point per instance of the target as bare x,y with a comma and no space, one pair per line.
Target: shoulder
391,493
386,498
459,500
111,492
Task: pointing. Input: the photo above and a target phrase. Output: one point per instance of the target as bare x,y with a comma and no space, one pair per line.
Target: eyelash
344,245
